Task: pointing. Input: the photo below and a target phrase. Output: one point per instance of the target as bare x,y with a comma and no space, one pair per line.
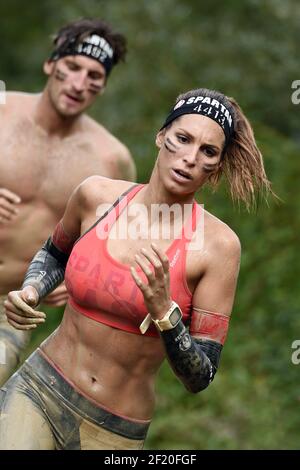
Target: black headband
94,46
209,107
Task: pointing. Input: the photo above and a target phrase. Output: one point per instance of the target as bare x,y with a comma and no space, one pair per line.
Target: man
48,146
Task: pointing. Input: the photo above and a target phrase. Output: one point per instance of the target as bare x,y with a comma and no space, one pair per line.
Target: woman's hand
19,311
157,292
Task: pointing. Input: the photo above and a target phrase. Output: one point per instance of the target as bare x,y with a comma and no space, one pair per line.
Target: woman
135,298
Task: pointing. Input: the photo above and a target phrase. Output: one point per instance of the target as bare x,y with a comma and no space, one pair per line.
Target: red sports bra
103,289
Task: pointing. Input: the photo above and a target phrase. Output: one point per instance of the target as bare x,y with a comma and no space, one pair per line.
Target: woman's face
190,151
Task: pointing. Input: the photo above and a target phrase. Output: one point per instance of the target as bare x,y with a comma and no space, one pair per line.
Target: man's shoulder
18,102
112,150
103,137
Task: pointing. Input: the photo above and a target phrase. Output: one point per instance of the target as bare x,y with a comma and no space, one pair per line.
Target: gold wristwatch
170,319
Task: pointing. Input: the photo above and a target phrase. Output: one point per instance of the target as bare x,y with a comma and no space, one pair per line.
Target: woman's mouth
181,175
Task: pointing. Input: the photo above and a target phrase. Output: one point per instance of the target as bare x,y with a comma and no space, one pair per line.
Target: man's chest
48,170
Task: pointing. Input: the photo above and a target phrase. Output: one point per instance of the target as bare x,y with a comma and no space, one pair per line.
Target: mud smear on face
210,167
59,75
94,89
170,146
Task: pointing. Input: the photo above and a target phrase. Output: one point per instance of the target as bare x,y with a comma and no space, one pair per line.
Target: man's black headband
206,106
94,46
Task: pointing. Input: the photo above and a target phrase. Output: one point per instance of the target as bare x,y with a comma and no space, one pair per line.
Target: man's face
74,83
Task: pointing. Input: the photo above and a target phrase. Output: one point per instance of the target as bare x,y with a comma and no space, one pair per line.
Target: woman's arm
194,355
46,270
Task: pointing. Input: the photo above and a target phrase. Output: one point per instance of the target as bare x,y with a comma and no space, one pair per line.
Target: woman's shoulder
97,190
219,236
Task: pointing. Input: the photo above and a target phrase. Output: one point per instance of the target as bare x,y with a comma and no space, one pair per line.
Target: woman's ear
160,138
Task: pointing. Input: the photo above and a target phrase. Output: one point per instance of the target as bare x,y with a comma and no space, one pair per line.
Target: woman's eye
182,138
209,152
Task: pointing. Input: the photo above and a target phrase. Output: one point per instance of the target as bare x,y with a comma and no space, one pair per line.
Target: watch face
175,316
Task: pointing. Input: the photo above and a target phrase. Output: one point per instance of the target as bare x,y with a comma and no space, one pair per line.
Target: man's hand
19,311
58,297
8,202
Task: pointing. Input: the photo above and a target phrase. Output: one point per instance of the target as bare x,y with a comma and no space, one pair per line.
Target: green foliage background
247,49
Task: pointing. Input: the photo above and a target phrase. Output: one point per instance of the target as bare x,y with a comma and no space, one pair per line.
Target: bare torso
43,170
116,368
103,363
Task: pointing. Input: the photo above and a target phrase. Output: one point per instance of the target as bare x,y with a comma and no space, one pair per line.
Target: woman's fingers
145,268
21,306
23,321
158,261
20,327
20,319
137,279
155,261
162,256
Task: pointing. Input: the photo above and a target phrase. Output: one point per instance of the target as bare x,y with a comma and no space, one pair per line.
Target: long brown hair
242,162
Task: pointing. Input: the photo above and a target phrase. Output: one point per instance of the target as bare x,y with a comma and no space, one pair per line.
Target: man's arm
8,200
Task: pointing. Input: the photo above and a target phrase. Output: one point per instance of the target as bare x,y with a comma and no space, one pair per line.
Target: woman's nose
190,156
